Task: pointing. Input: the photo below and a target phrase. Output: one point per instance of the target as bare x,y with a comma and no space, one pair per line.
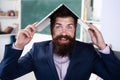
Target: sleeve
108,66
12,66
106,50
13,46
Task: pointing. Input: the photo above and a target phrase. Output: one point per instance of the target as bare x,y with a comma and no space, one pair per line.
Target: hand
96,37
24,36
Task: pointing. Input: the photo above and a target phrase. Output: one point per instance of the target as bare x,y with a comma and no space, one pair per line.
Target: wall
110,28
111,23
5,6
3,41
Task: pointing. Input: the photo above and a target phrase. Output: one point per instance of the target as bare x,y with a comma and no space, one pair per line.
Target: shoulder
83,44
42,44
40,47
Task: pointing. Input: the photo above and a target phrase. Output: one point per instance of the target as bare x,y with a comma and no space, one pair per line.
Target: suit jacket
84,60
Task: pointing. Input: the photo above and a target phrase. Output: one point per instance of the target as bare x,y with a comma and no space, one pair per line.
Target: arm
24,36
11,66
108,64
96,37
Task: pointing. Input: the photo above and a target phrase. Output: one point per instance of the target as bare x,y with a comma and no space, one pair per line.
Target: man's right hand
24,36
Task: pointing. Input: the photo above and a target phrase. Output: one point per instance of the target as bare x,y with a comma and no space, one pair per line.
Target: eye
70,26
59,27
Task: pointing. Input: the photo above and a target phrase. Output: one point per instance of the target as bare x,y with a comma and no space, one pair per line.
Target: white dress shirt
61,64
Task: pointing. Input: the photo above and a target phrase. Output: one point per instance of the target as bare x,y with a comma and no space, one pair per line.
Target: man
63,58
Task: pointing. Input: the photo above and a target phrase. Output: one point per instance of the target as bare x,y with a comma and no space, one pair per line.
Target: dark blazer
84,60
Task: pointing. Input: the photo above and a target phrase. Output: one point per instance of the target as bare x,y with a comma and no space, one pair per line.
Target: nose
64,32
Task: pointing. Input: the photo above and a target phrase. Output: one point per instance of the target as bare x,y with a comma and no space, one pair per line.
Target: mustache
63,36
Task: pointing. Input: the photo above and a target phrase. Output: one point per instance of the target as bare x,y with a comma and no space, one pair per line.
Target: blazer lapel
70,67
73,61
49,54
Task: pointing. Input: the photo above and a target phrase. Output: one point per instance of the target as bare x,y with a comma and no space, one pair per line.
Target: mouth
63,40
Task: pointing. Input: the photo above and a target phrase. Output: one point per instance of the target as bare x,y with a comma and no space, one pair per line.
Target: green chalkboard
36,10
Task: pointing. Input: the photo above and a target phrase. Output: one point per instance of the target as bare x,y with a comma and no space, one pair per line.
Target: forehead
64,19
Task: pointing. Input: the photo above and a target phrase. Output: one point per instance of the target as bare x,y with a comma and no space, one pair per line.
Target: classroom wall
3,41
5,6
110,28
110,22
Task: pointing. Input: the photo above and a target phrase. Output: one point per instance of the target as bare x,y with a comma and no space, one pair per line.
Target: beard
63,49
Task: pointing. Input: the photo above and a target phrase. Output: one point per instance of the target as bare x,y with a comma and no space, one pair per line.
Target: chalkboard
35,10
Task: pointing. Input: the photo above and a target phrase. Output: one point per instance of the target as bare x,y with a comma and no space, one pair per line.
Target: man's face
63,36
64,29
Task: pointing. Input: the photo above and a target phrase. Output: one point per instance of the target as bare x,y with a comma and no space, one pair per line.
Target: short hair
63,11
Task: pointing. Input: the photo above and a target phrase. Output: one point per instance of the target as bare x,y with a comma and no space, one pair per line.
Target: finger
35,24
93,36
93,27
31,29
92,33
29,32
26,33
28,29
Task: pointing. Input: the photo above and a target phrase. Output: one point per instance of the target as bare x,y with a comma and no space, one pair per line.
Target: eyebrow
58,24
61,24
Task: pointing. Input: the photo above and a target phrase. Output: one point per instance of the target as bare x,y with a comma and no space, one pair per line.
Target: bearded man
63,57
